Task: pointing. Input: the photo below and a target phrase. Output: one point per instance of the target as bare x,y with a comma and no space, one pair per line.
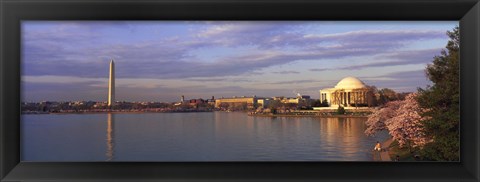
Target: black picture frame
14,11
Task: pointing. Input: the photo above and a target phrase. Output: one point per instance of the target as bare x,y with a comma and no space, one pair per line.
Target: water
207,136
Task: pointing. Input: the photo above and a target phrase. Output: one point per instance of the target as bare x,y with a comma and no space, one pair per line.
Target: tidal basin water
206,136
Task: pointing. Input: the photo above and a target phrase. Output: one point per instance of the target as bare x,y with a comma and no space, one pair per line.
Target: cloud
415,74
61,79
51,31
402,81
262,34
92,82
70,51
397,58
425,55
286,72
271,34
32,91
375,36
79,53
207,79
38,89
295,82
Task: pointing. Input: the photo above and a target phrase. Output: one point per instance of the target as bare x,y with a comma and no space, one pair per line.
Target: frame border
12,12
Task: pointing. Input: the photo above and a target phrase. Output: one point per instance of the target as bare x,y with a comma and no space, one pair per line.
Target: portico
349,92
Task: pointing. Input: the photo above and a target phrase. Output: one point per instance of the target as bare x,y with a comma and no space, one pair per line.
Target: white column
111,85
348,98
363,96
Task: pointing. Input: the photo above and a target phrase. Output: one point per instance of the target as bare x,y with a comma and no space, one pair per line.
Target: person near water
377,147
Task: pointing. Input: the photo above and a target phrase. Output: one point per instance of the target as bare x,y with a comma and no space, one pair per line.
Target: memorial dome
350,83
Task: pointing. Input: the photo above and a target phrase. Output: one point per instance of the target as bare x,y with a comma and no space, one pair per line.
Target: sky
158,61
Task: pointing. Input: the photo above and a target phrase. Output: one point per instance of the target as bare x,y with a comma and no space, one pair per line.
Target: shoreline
249,114
383,155
253,115
319,116
114,112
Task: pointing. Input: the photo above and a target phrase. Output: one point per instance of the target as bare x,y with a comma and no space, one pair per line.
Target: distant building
250,102
211,101
304,96
291,100
263,102
300,99
196,101
349,92
100,104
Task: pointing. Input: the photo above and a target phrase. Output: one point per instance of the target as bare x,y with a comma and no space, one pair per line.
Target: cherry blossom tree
402,121
378,119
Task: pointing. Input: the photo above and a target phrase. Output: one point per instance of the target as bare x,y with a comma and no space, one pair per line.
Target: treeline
427,122
53,107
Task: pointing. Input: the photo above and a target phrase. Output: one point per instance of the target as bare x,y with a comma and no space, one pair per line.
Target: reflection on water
347,132
211,136
110,144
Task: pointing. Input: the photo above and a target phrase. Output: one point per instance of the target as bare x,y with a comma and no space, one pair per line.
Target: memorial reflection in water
207,136
110,136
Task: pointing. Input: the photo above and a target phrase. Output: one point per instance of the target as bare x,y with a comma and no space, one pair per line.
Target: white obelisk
111,85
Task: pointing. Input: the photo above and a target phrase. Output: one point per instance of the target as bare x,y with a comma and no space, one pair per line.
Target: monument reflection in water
210,136
110,133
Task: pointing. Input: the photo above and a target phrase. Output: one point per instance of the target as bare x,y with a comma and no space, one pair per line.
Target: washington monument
111,85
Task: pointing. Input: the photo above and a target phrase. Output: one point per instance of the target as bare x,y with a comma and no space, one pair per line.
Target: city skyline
162,60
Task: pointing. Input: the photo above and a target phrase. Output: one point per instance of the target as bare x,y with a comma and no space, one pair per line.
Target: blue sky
162,60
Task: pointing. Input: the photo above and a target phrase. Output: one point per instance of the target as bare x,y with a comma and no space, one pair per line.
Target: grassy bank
404,153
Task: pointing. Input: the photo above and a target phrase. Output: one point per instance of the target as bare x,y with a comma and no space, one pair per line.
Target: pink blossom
402,121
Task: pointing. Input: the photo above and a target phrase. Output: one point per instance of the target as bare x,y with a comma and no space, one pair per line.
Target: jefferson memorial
350,92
